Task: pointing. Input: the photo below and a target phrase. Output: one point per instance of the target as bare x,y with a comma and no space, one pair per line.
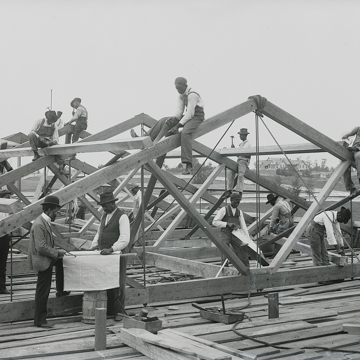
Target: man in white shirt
189,114
231,218
243,163
44,133
80,117
327,222
113,235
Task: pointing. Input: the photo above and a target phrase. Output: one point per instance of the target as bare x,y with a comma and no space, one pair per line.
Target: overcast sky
121,58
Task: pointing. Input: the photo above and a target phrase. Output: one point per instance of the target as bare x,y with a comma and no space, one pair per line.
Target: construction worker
243,163
44,133
189,114
80,117
230,218
5,241
281,217
353,146
113,235
327,222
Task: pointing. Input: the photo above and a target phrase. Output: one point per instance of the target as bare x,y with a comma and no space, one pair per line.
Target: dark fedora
236,196
51,115
76,99
52,200
271,197
243,131
4,192
345,214
106,197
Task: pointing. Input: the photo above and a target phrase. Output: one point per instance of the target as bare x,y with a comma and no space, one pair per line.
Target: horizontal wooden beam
185,266
303,148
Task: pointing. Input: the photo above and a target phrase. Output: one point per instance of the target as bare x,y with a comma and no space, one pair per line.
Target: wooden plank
131,338
306,131
236,353
176,343
186,266
352,329
169,230
306,219
181,199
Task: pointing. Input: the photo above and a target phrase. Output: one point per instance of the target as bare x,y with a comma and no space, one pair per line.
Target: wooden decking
310,326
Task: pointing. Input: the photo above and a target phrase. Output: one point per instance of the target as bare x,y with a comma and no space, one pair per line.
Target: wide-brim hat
51,115
106,197
4,192
76,99
52,200
271,197
243,131
345,214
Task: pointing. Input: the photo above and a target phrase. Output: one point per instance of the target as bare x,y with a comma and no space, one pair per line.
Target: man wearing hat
42,255
80,117
231,218
113,235
44,133
189,115
4,248
243,163
281,217
327,222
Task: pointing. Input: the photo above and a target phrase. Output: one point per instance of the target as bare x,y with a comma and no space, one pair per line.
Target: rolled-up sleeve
124,238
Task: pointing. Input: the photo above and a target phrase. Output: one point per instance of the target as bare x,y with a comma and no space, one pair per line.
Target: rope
310,192
212,150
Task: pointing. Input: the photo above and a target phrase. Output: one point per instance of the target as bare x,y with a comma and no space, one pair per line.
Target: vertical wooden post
273,305
100,329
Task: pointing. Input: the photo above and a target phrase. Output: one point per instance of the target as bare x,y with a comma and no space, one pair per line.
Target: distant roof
18,138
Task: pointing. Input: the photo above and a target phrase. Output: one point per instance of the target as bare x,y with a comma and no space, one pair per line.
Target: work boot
62,293
5,292
227,194
36,156
188,169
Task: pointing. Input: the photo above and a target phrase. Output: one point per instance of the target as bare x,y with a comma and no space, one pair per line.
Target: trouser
6,165
116,297
240,251
77,128
36,143
155,130
241,169
187,136
4,251
316,236
347,174
43,286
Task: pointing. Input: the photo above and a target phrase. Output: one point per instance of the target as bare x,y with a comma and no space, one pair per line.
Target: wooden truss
127,162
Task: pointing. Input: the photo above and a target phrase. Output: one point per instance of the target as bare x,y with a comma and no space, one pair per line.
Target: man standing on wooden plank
281,217
80,117
231,218
42,256
189,114
113,235
4,249
243,163
327,222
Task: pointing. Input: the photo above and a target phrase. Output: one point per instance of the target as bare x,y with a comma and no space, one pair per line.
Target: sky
121,58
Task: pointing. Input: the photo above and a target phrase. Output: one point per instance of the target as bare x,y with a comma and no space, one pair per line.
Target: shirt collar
46,217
